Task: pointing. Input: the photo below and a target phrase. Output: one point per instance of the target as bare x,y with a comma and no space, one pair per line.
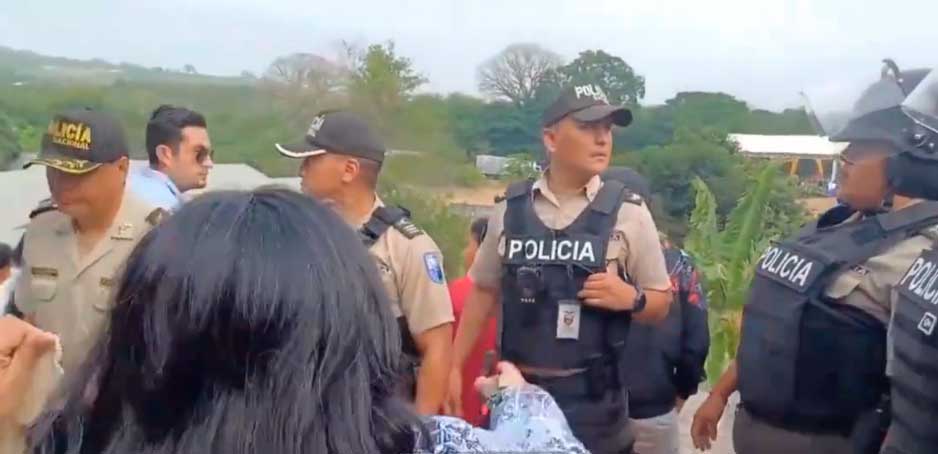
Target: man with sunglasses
813,352
180,157
74,248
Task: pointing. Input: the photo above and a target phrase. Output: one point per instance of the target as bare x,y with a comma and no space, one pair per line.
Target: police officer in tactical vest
812,355
342,158
572,260
913,368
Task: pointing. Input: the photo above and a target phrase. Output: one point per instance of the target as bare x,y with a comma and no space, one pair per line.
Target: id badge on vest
568,319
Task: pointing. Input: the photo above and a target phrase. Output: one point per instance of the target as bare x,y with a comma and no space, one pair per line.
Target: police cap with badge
79,141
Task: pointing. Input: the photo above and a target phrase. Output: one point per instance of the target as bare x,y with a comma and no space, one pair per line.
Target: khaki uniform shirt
71,296
412,272
633,244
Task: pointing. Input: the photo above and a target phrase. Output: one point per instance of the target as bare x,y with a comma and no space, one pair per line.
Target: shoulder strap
518,189
603,211
385,217
517,200
911,219
44,206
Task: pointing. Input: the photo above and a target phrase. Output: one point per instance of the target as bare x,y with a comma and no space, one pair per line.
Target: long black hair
248,322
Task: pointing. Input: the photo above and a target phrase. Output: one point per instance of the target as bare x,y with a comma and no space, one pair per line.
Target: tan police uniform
70,295
412,272
868,287
633,245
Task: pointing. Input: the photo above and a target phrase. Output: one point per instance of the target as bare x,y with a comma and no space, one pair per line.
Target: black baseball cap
586,103
79,141
337,132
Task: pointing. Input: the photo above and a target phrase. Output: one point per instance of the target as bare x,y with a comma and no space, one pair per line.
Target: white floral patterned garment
524,420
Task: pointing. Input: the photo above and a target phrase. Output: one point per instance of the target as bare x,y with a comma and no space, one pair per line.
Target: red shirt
472,369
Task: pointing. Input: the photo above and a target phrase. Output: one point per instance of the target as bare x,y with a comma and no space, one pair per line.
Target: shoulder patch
43,207
156,216
434,267
407,228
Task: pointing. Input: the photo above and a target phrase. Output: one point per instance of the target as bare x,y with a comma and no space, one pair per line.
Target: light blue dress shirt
155,187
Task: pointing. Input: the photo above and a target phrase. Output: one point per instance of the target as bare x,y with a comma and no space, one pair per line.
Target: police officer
914,363
666,360
812,353
342,158
572,259
73,249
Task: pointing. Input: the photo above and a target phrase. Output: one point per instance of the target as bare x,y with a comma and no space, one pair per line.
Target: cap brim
621,116
299,150
67,165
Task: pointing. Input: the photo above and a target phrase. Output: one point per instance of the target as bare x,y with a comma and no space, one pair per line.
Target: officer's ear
350,170
123,164
549,137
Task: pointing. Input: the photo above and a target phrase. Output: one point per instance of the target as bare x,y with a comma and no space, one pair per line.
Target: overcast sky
762,51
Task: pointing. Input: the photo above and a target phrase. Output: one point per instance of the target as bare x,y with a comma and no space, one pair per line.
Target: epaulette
43,207
156,216
633,198
407,228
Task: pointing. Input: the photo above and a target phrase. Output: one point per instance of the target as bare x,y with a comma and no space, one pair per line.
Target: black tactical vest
399,218
543,322
807,363
915,364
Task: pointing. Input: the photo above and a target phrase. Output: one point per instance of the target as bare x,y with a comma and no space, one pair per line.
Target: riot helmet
913,171
877,115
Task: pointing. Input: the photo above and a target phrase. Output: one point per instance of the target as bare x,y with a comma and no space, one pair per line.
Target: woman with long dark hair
255,322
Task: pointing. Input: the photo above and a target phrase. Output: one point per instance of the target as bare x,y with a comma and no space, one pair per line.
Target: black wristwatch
640,300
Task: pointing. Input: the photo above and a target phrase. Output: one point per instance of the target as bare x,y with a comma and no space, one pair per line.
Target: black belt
593,382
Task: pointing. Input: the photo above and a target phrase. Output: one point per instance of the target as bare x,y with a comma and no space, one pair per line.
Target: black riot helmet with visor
914,171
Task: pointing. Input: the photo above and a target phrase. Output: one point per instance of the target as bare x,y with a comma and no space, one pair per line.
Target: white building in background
798,150
22,190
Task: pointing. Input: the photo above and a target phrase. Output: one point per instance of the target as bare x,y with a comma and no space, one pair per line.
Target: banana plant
726,253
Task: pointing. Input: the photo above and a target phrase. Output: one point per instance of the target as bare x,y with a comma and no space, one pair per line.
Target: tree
617,79
304,72
381,81
248,75
189,69
515,72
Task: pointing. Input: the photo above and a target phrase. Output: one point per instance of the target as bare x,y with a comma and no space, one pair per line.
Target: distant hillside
23,67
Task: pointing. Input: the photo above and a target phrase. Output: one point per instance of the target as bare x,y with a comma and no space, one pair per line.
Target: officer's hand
608,291
704,428
21,347
452,406
508,376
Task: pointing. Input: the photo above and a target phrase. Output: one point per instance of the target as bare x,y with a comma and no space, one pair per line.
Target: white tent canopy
787,146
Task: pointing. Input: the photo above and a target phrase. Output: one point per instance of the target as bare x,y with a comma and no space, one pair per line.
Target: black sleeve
695,342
